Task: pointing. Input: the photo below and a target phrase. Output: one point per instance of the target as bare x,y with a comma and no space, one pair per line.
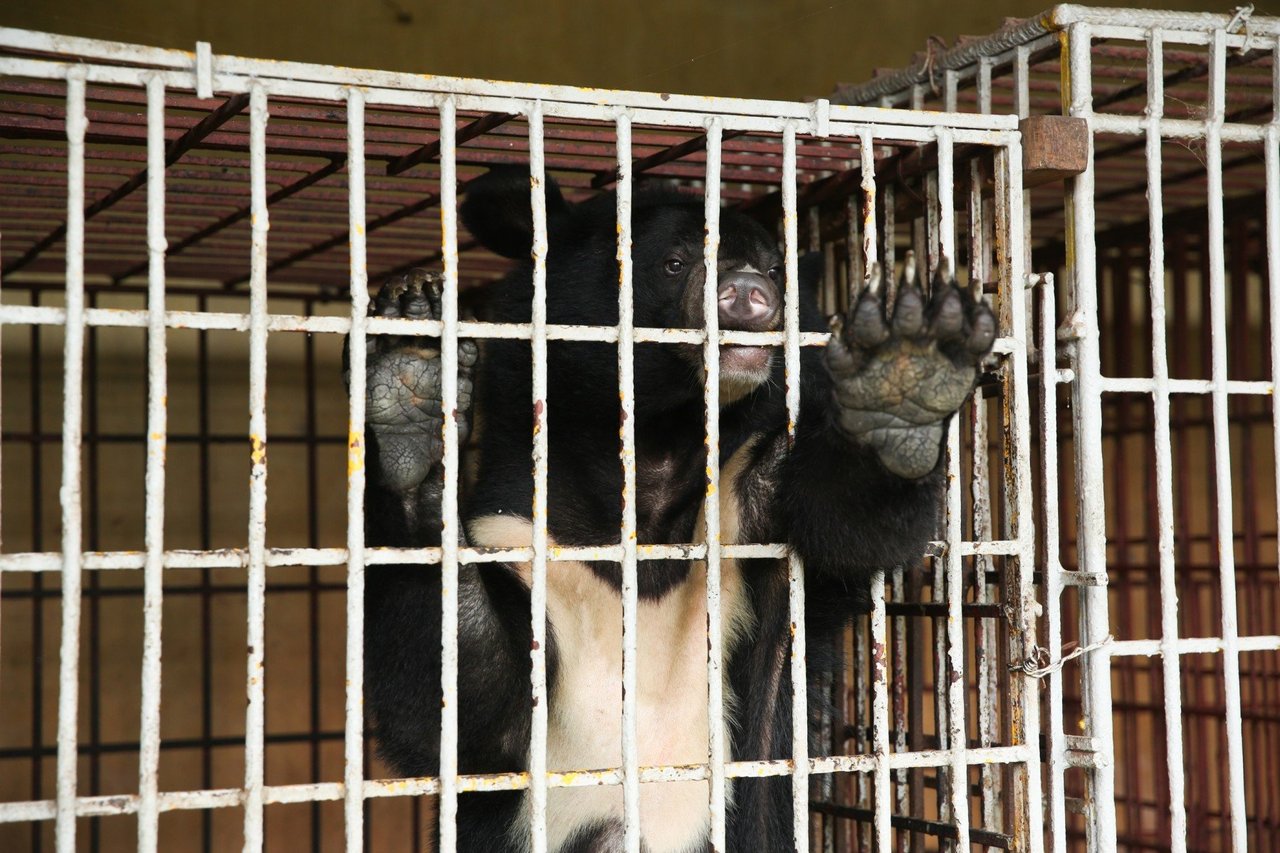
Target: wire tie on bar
1033,668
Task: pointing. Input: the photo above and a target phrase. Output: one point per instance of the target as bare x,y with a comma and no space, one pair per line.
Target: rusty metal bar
667,155
431,150
229,109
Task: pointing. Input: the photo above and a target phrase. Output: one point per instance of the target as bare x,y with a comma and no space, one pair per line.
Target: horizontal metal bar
1189,646
44,561
1171,128
29,315
888,126
227,321
279,74
40,810
1140,385
998,840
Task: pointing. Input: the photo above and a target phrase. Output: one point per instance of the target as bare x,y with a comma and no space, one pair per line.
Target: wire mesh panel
187,233
1168,568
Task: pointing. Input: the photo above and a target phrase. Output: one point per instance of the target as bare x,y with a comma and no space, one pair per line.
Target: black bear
857,493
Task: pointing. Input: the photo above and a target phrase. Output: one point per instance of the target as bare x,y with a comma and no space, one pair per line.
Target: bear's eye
673,266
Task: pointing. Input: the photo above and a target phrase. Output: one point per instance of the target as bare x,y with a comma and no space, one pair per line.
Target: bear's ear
498,213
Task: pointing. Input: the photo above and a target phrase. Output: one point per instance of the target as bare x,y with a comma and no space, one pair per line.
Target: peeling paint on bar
795,568
711,506
538,590
450,531
627,533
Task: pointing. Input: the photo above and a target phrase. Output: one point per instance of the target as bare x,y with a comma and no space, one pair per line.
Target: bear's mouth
743,369
744,361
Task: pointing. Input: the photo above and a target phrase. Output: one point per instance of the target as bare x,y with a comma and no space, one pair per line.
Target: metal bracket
1053,148
204,69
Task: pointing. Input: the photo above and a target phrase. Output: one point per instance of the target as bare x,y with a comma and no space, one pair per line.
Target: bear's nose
748,301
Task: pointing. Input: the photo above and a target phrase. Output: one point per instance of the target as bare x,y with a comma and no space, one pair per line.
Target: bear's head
668,271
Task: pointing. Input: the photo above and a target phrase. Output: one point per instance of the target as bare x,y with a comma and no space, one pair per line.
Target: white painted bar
157,427
538,589
1170,665
353,708
450,530
1057,813
1221,440
711,507
628,537
795,568
1090,475
257,579
69,495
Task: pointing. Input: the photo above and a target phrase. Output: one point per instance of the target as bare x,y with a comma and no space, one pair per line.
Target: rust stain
257,450
355,453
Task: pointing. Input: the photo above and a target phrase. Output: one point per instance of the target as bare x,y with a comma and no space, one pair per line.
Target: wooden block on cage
1053,148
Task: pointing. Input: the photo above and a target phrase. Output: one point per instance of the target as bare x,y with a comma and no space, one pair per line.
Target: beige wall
746,48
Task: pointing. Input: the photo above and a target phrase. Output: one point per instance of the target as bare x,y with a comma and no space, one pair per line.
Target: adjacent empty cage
1173,403
1105,574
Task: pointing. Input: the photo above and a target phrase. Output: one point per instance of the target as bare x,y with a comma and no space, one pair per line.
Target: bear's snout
748,301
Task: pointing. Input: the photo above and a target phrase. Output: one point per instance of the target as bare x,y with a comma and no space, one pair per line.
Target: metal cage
145,300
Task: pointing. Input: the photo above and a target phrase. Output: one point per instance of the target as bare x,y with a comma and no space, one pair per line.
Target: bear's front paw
402,385
897,380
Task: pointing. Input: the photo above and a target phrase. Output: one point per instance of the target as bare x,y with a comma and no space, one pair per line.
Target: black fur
829,497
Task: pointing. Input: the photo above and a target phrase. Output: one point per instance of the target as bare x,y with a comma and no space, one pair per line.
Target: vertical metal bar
711,400
1221,436
870,237
538,587
314,720
795,569
353,726
1170,662
73,398
1025,706
956,734
1053,567
257,579
450,531
881,793
157,427
928,257
880,717
1272,153
36,498
93,516
986,648
206,580
854,273
630,566
1090,475
900,700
